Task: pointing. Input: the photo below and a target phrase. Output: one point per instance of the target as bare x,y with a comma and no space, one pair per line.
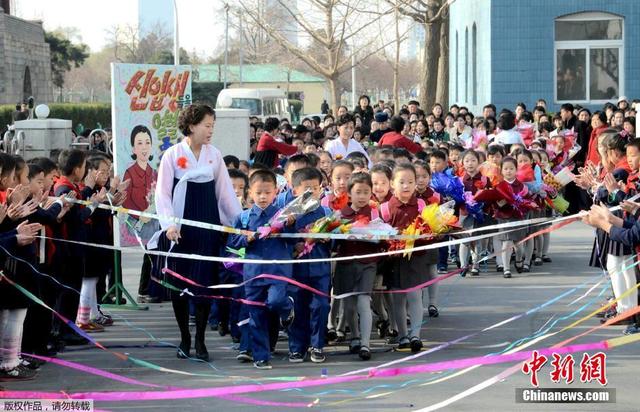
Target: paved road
466,305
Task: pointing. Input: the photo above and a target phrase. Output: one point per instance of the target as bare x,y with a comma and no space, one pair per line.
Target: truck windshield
253,105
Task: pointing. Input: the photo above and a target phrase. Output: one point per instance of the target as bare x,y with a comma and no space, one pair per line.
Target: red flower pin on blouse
182,162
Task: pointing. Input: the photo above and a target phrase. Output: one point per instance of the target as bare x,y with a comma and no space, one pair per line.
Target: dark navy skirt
201,204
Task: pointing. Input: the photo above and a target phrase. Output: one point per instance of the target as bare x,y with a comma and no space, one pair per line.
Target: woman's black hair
134,132
193,115
364,96
271,124
397,124
345,118
600,114
507,120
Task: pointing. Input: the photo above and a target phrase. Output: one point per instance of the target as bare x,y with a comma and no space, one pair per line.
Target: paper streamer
378,373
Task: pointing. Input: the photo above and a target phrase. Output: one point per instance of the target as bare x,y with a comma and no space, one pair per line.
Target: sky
201,22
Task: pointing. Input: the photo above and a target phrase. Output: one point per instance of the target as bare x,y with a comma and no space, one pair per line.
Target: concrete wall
22,45
314,93
522,54
463,15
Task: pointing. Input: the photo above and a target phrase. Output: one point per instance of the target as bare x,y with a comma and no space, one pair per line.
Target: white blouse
335,147
209,166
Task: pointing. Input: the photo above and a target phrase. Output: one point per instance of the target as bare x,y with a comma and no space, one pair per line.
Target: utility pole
226,44
176,43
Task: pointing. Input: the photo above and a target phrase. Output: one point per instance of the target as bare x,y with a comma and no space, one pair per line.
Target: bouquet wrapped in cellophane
299,206
434,220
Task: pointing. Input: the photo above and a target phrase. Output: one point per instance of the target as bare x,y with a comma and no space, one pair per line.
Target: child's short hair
402,167
422,164
383,169
299,159
357,163
342,163
231,160
20,164
390,163
34,170
7,164
402,152
94,160
438,154
45,163
495,149
238,174
471,152
634,143
71,159
263,176
314,159
527,153
456,147
511,160
306,173
359,178
358,156
245,163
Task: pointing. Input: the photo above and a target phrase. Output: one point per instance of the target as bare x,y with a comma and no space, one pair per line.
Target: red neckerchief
63,181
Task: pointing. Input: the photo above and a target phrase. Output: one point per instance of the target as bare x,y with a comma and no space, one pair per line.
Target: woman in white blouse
345,144
193,183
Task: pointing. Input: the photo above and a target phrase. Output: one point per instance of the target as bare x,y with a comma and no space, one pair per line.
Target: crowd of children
504,167
37,206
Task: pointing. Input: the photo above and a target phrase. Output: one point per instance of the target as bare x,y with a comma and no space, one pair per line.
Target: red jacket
395,139
269,143
592,153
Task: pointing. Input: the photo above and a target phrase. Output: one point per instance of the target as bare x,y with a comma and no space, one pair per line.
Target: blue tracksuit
312,310
272,292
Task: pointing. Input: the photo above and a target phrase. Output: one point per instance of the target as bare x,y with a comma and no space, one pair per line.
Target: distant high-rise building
280,14
154,14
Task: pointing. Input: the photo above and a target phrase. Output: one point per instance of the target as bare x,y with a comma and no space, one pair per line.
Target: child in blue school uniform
307,332
294,163
263,191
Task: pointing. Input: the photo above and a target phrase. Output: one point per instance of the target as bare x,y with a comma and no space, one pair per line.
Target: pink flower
182,162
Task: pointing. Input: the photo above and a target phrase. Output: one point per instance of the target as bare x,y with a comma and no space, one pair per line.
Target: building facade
26,61
578,51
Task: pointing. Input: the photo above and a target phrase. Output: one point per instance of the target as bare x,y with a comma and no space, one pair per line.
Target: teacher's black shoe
184,349
201,352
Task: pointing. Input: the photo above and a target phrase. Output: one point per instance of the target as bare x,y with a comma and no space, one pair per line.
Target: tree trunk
442,91
334,90
430,57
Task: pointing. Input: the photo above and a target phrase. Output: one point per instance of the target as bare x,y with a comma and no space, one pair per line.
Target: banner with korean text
145,102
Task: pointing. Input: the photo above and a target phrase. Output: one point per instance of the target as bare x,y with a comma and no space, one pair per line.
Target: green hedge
89,114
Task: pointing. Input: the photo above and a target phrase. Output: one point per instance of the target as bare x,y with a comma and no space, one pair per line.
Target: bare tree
129,47
334,26
434,15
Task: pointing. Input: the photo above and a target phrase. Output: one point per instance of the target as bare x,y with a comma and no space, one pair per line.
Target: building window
589,57
456,65
466,65
474,66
